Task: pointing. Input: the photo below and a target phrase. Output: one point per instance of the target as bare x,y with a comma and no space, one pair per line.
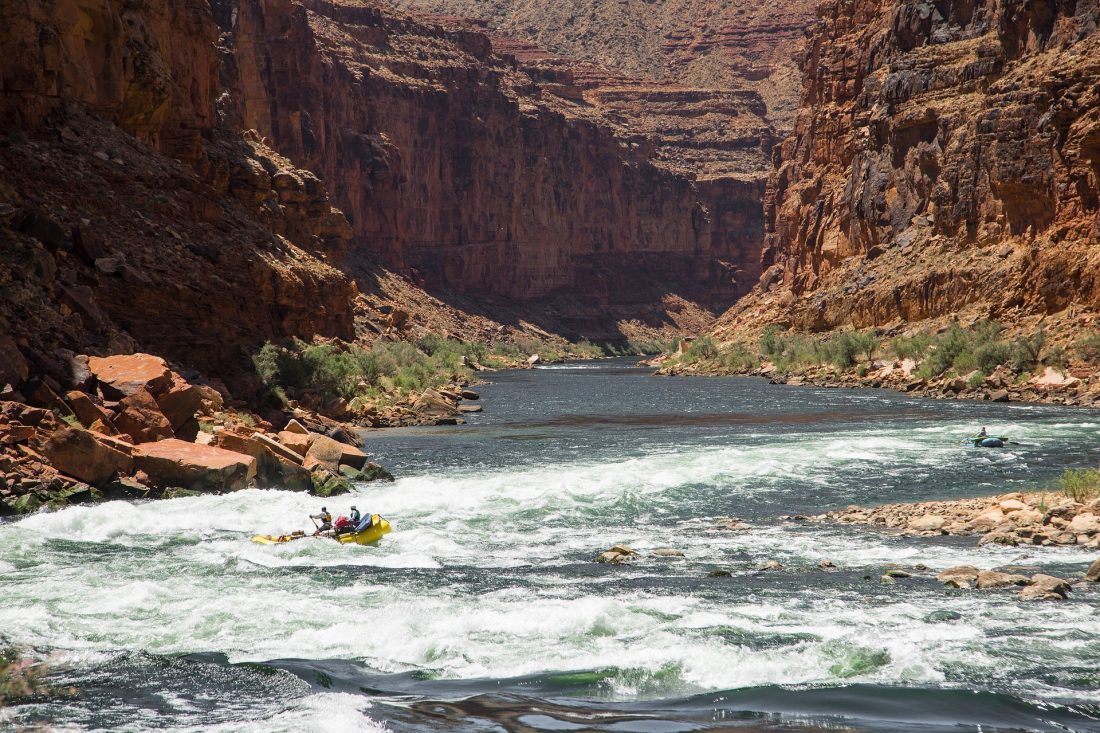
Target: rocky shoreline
1032,518
132,427
1076,388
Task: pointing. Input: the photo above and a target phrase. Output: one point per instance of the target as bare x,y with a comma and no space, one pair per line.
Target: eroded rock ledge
1035,518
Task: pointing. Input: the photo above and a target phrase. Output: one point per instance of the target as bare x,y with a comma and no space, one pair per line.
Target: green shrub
353,372
771,343
914,347
646,347
1025,351
1080,485
844,348
1088,347
701,349
738,358
1056,356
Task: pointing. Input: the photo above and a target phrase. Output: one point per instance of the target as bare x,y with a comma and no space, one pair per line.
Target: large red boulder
180,402
88,412
80,454
276,466
332,454
140,417
192,466
121,376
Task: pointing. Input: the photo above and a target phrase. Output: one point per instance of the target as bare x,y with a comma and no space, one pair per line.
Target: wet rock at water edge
1042,587
1092,575
667,552
996,579
617,555
828,565
719,574
770,565
960,574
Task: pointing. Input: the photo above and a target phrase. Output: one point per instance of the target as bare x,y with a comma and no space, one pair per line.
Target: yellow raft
369,536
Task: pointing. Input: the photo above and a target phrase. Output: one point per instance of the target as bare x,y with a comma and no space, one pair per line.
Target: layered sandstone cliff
701,44
130,216
477,176
946,161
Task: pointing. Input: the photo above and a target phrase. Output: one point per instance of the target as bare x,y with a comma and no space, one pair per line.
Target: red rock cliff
460,169
130,215
733,44
946,159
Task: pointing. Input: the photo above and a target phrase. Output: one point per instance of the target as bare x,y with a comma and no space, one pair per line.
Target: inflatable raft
379,528
369,536
987,441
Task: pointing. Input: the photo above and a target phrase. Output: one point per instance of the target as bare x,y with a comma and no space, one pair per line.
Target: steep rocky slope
480,177
946,161
130,216
694,43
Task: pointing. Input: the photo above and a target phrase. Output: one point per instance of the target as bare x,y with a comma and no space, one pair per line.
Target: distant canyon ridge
195,179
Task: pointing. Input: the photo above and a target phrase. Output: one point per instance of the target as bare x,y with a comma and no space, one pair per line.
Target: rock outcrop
132,214
1011,519
704,44
946,159
479,177
109,438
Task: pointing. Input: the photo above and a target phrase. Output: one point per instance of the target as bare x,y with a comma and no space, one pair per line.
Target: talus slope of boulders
131,426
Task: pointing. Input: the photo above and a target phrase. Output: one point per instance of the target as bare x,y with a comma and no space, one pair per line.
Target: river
484,610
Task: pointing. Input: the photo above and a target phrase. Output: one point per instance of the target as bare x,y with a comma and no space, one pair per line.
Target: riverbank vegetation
1082,485
388,370
973,352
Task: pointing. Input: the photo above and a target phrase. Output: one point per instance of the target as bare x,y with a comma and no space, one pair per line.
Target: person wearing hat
354,515
326,520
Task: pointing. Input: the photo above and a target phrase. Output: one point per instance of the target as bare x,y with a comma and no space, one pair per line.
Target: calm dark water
484,611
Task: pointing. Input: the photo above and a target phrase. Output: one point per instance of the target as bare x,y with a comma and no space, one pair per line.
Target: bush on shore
980,350
393,368
350,371
1080,485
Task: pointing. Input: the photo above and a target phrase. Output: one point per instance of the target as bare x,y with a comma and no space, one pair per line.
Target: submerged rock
616,555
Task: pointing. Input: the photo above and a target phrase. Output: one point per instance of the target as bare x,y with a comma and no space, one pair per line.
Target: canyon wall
129,216
474,174
946,160
703,44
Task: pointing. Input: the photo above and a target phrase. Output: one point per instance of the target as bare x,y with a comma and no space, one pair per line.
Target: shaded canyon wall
130,216
466,173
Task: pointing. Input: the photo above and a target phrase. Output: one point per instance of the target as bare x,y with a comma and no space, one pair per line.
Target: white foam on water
182,576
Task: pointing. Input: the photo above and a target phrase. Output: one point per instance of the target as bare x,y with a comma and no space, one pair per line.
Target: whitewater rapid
488,575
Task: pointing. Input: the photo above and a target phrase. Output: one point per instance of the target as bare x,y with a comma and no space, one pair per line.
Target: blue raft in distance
986,441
